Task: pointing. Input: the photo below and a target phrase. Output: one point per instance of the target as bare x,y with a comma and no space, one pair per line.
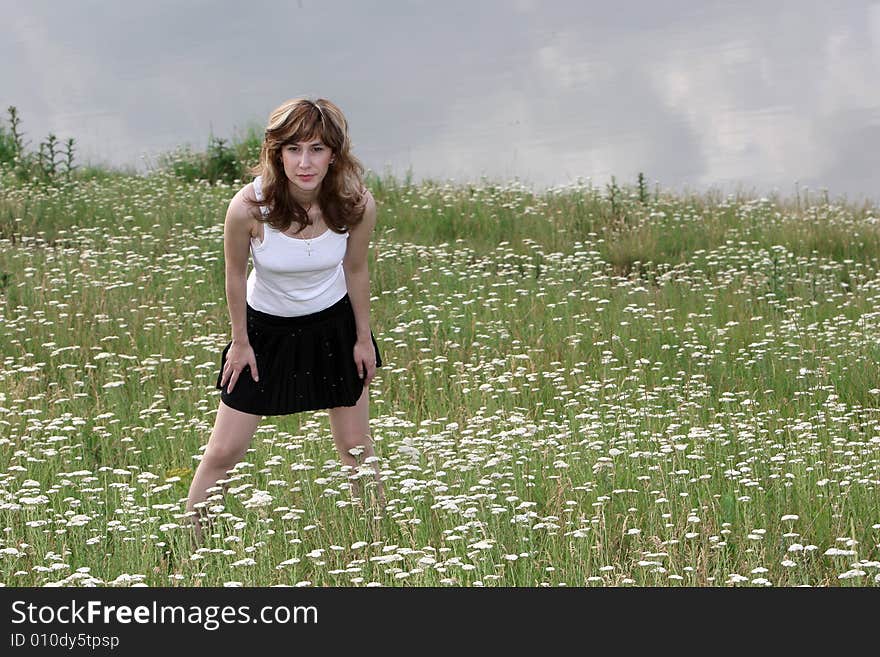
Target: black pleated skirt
305,363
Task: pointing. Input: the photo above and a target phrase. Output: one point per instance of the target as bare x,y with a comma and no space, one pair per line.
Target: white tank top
285,279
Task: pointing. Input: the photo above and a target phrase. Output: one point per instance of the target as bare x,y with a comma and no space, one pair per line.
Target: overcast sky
723,94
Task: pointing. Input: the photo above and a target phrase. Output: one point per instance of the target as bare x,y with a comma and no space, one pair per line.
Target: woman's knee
349,442
233,432
222,456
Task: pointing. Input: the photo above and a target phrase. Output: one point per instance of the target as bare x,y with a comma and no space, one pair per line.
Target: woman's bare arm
236,242
357,281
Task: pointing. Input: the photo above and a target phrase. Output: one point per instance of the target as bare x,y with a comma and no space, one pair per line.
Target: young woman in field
301,337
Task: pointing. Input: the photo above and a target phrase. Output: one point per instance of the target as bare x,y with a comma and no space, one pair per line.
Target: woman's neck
305,199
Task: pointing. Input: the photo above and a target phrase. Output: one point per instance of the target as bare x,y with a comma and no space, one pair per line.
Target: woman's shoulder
245,197
365,209
243,206
365,198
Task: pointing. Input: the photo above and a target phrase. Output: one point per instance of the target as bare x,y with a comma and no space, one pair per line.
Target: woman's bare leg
229,442
351,429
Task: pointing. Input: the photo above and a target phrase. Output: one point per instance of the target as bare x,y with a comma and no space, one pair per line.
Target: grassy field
578,390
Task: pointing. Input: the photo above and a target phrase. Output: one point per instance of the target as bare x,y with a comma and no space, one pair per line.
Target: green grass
575,392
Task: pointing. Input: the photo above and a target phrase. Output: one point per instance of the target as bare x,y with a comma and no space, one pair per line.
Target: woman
301,337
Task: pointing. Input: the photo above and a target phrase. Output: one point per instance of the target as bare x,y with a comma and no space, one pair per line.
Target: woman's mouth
306,178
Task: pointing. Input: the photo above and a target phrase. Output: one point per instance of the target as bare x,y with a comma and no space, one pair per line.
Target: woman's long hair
341,194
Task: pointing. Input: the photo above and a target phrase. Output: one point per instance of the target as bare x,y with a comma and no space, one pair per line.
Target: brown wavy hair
342,189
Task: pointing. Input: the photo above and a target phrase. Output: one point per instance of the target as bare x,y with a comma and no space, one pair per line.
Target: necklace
309,239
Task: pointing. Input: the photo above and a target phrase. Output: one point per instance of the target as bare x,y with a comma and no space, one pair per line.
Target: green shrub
49,164
223,161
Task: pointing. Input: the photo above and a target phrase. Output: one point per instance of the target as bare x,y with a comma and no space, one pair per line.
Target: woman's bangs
298,126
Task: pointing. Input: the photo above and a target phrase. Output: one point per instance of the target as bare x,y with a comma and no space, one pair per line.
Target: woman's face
306,163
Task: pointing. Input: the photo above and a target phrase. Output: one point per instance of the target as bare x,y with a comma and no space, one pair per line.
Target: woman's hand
239,356
365,359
